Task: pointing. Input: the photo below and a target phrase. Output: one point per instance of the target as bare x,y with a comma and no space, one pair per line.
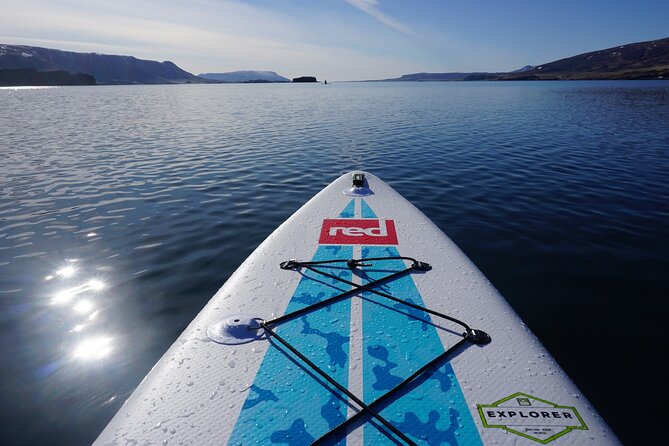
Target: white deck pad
253,389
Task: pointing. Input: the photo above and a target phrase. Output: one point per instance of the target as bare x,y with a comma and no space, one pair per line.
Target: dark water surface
123,210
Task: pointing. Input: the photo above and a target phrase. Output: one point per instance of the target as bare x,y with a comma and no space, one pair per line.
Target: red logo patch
348,231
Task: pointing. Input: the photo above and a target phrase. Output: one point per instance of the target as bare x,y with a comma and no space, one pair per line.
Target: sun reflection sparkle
65,296
83,307
96,284
94,348
67,271
86,301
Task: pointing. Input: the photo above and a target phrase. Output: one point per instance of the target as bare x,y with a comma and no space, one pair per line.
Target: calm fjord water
142,200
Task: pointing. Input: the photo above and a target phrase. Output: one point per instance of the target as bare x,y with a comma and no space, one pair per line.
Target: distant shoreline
636,61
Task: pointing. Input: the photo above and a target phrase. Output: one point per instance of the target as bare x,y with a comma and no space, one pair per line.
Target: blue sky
335,39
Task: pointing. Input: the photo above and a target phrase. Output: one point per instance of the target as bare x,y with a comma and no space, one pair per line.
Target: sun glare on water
67,271
84,307
65,296
94,348
84,302
96,285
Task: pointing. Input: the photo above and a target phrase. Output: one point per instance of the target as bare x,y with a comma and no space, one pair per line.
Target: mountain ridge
107,69
436,77
639,60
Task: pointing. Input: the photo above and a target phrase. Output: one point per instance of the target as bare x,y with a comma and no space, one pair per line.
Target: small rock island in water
305,79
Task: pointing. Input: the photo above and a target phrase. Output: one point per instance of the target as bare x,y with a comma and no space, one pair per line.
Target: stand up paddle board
357,322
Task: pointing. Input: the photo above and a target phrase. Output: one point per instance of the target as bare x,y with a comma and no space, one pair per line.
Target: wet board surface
509,391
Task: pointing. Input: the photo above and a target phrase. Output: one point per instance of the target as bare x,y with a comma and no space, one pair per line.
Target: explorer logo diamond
531,417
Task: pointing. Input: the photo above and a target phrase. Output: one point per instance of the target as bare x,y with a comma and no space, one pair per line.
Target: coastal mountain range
437,77
643,60
28,65
106,69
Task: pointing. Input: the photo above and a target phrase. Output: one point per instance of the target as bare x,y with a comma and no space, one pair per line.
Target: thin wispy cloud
224,35
371,7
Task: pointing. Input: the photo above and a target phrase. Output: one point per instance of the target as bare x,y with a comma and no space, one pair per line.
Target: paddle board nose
365,340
